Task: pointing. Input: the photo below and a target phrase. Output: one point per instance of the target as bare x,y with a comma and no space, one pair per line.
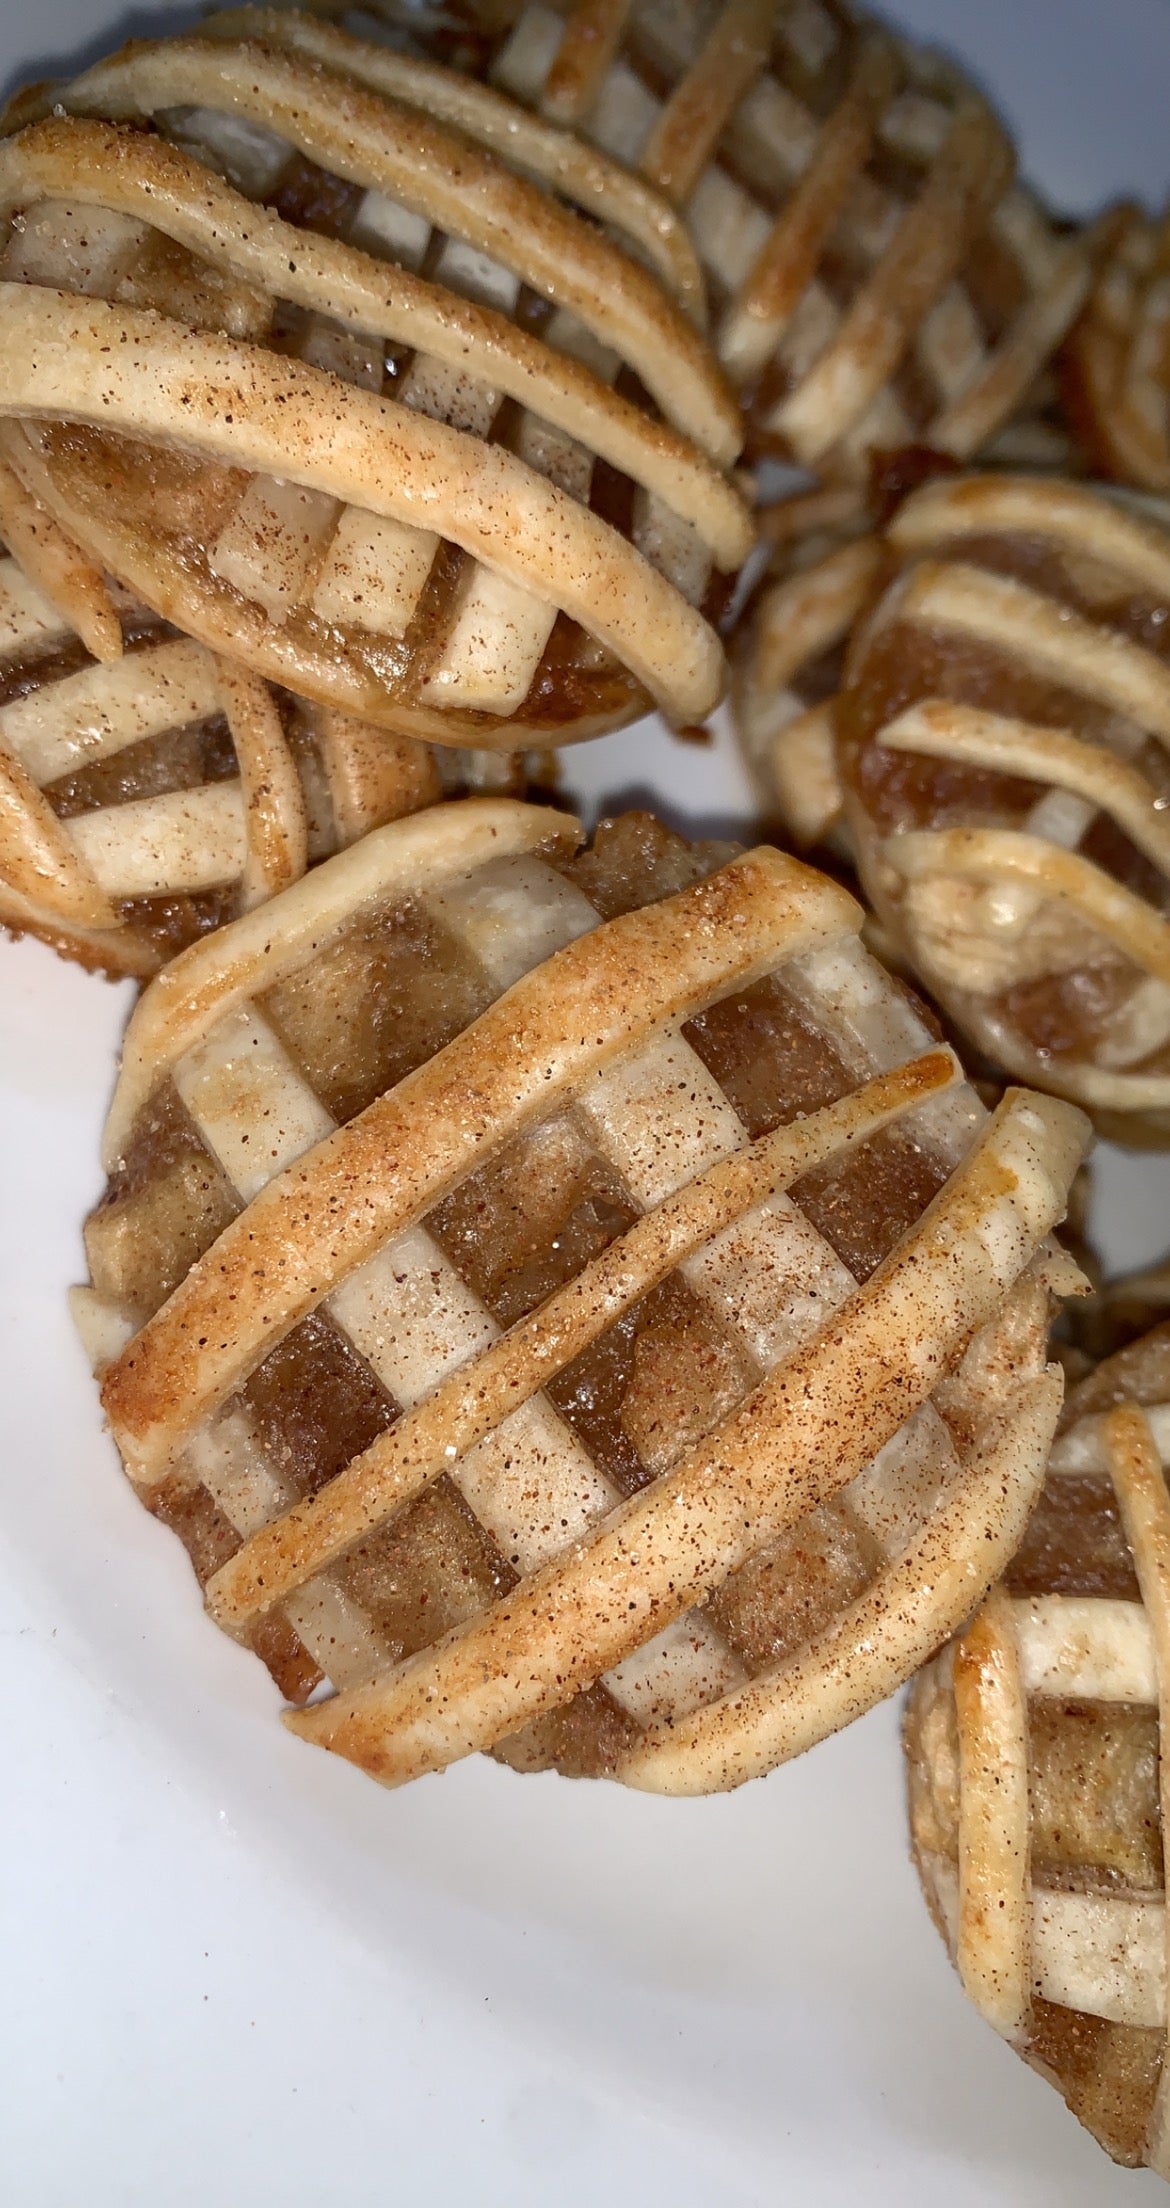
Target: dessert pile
598,1299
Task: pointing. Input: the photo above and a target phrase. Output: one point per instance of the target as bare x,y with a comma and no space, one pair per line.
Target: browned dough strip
796,1441
688,130
606,189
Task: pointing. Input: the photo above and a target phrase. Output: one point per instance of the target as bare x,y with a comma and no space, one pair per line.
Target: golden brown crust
603,188
550,629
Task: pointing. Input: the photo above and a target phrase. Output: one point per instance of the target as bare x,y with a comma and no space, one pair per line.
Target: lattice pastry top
150,790
602,1330
876,276
412,436
1002,737
1038,1779
1115,367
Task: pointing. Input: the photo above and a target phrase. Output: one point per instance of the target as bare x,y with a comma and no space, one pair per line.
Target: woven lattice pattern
1003,737
875,275
1037,1772
152,791
505,1284
413,437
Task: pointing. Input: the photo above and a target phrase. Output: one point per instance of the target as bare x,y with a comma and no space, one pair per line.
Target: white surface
233,1970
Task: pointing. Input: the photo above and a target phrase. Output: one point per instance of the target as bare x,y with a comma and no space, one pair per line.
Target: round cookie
876,274
354,395
570,1299
1002,739
152,790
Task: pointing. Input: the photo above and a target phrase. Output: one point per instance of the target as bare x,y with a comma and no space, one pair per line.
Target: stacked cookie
570,1297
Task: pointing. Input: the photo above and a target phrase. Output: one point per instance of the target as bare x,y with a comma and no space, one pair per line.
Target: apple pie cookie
876,275
150,790
1002,737
1037,1773
570,1301
357,398
1115,366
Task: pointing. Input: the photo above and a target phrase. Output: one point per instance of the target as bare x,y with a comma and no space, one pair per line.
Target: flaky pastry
570,1301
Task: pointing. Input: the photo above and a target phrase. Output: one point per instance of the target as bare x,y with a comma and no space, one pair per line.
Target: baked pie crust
150,790
571,1301
1115,367
411,435
1002,739
1037,1786
877,277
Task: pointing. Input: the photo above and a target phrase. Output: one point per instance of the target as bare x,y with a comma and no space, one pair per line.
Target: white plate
233,1970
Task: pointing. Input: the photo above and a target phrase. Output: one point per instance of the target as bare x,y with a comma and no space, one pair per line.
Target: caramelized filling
1108,2073
1094,1791
1074,1544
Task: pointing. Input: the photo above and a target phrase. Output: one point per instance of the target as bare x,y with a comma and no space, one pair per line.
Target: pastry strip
376,143
482,1393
